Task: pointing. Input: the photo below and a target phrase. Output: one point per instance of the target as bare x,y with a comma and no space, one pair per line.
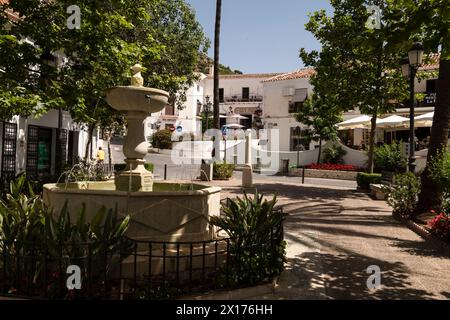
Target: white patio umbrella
424,121
360,122
393,122
234,126
236,116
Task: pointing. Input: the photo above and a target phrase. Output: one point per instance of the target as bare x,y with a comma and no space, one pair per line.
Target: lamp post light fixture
207,110
410,66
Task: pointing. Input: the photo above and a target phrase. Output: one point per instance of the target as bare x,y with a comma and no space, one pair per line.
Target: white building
239,95
183,120
284,96
38,146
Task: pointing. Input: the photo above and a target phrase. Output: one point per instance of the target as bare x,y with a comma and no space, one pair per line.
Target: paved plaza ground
335,233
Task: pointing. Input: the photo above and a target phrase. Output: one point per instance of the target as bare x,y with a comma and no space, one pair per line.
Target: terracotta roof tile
299,74
431,62
247,76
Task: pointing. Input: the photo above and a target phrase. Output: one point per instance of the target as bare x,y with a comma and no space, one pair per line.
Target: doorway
39,152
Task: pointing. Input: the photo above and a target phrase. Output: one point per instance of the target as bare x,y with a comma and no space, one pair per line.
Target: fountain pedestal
135,177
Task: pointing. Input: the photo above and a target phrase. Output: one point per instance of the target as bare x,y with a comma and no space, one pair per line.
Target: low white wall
194,152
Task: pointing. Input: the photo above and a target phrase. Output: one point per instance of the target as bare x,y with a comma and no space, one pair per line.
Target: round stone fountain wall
169,213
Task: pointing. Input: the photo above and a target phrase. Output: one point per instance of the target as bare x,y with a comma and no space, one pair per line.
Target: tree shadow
428,248
345,277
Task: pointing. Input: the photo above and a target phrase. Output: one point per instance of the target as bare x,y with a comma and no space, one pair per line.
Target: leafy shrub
334,154
162,139
364,180
333,167
29,230
122,166
83,170
389,157
223,171
439,170
257,249
402,195
440,226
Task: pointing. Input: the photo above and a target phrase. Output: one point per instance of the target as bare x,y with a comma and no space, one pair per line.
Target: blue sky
260,35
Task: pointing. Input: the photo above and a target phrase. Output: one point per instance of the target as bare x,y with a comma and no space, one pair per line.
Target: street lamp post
410,67
207,110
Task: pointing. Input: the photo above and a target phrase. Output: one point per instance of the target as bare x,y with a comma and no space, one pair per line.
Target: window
170,110
295,107
431,86
245,94
221,95
199,108
298,140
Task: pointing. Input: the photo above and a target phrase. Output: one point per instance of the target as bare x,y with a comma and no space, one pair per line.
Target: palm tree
216,64
431,196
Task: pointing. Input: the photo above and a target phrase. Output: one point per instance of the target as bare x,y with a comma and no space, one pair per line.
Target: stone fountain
137,102
160,211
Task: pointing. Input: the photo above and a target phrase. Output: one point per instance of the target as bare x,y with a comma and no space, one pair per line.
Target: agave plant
257,247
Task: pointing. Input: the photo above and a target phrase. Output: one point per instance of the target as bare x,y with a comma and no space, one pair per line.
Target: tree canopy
163,35
321,116
427,21
353,69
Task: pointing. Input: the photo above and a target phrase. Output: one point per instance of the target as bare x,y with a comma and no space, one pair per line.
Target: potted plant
389,160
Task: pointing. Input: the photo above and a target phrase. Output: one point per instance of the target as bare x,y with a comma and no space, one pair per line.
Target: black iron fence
123,268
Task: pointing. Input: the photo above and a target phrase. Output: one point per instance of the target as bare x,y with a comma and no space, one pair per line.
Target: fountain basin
172,212
131,98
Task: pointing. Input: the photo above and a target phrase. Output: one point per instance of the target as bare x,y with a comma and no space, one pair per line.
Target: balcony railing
241,98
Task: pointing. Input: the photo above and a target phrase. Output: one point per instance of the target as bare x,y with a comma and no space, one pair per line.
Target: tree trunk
320,151
373,128
216,64
88,151
430,197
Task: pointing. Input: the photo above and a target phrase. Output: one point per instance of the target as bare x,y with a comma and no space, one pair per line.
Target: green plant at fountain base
257,249
30,232
85,170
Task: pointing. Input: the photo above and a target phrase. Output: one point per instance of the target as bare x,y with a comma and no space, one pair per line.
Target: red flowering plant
333,167
440,225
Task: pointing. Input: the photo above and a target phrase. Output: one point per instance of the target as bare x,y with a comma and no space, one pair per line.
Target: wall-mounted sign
245,110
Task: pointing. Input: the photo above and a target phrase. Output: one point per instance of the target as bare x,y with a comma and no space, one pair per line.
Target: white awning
360,122
300,95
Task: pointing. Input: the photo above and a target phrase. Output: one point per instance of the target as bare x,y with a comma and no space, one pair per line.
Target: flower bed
440,226
334,167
